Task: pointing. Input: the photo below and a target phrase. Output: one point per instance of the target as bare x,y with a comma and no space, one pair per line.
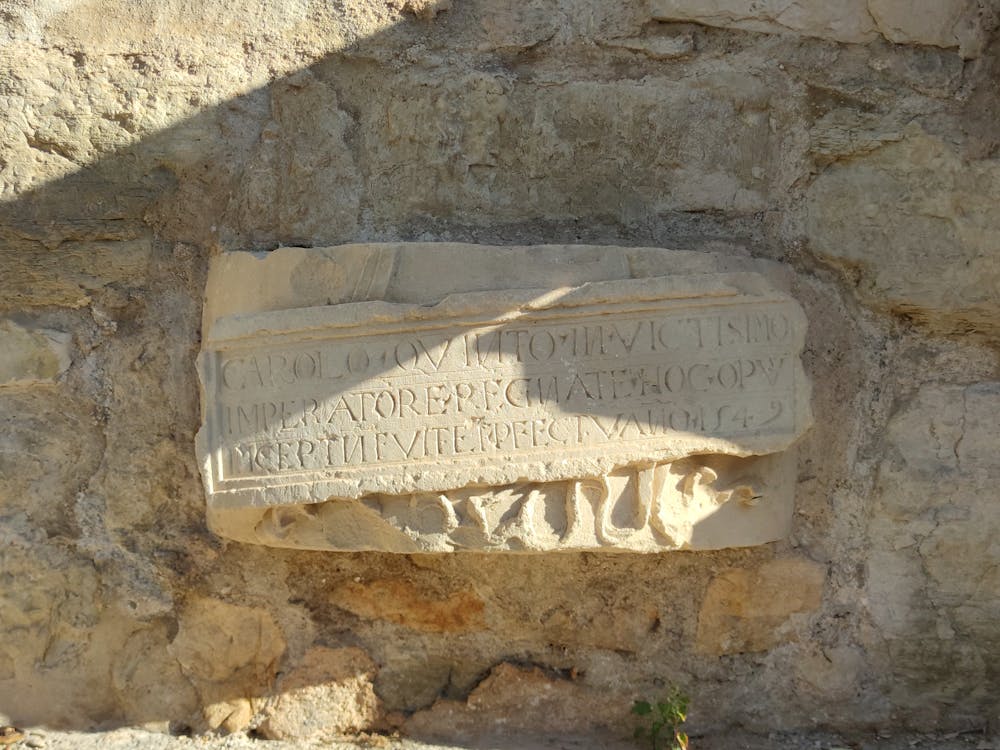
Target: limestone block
948,23
936,520
751,610
560,153
217,640
51,611
230,653
31,355
622,626
518,418
48,441
148,680
933,573
945,23
76,275
842,22
302,148
329,692
514,699
919,224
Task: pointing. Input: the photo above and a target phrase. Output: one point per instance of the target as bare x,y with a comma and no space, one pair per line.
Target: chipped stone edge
510,305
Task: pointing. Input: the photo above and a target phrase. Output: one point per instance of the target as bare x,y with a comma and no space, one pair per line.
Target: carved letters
383,400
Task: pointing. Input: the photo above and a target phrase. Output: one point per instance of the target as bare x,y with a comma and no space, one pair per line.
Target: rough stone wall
856,142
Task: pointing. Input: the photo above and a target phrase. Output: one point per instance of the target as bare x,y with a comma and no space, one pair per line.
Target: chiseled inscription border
423,399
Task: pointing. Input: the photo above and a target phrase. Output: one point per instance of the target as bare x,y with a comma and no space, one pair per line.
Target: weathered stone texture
32,355
934,571
930,213
639,413
230,653
328,693
855,151
497,707
949,23
754,610
409,606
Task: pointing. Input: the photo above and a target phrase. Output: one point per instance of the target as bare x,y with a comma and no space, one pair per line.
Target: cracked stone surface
856,154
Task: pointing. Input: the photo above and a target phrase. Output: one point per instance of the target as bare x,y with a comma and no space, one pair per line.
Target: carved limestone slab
615,413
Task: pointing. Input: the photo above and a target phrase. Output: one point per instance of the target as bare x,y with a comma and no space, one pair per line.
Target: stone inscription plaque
494,388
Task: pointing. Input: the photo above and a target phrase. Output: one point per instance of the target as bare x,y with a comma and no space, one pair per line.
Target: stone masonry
846,153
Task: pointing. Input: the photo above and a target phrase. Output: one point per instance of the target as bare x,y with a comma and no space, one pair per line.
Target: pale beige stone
31,355
936,516
918,222
217,640
943,23
846,21
291,148
74,277
587,392
52,620
846,131
232,715
748,610
149,681
296,277
329,692
498,707
948,23
131,126
230,653
933,570
511,378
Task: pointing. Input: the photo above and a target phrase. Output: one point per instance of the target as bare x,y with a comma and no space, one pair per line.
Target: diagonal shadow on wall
361,145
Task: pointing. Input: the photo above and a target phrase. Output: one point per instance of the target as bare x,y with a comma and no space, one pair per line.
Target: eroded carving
604,415
641,508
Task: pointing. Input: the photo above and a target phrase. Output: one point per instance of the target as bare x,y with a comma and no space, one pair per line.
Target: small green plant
663,720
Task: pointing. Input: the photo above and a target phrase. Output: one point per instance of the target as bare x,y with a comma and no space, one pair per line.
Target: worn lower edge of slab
693,503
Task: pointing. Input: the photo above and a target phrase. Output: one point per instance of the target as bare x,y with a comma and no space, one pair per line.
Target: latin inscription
539,388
